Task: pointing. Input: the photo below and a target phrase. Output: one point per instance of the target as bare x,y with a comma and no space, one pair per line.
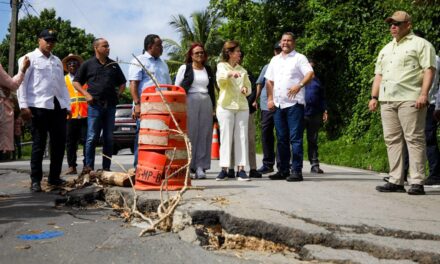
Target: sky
124,23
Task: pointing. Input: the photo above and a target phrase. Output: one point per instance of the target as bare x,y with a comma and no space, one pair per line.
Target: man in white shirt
43,97
286,76
139,79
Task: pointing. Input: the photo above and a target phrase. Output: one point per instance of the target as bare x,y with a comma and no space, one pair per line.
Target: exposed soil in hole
216,238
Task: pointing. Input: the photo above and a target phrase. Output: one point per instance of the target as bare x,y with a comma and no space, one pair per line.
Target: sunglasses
397,23
72,63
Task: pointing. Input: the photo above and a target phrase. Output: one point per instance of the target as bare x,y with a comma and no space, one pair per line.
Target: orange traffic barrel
154,166
151,101
161,151
149,171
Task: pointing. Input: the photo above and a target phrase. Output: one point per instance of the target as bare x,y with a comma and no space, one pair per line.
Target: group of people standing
291,100
65,106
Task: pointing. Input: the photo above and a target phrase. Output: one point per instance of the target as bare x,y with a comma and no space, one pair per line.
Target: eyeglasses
199,53
72,63
397,23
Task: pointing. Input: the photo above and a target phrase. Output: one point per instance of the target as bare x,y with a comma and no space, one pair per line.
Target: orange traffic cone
215,147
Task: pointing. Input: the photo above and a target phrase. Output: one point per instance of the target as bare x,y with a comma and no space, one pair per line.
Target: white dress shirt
43,81
286,71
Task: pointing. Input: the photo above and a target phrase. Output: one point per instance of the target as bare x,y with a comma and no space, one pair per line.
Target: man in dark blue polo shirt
105,82
315,112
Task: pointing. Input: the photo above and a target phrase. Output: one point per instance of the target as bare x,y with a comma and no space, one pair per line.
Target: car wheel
115,151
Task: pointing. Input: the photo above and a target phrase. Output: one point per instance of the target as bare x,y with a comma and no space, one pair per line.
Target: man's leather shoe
279,176
264,169
57,182
431,182
231,173
390,187
316,169
36,187
70,171
254,174
86,170
416,189
295,177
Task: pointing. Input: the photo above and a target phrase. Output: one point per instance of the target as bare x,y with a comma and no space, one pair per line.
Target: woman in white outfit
198,81
233,110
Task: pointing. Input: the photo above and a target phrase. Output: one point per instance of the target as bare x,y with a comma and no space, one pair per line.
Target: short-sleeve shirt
103,80
155,66
286,71
263,96
401,65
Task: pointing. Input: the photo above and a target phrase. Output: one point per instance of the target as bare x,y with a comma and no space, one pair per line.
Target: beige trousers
401,123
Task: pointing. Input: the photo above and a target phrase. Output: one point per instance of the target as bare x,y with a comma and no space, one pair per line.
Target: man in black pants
44,99
315,113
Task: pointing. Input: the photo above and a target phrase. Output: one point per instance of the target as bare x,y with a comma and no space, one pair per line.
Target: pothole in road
216,238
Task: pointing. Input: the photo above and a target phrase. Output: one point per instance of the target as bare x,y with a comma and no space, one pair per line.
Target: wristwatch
301,85
374,97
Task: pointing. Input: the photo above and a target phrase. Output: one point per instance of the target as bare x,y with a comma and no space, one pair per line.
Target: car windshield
123,113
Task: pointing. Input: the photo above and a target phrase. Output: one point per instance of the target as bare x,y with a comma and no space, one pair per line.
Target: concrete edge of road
308,239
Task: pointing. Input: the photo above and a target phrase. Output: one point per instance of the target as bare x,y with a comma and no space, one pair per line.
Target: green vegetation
70,39
345,38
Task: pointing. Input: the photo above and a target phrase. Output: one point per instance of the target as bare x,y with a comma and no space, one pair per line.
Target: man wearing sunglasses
77,123
404,72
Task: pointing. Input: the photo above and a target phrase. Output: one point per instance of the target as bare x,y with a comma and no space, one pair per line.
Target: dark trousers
289,124
46,121
432,150
76,134
17,152
268,138
312,124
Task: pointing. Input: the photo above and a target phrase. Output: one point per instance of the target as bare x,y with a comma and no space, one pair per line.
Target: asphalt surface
335,216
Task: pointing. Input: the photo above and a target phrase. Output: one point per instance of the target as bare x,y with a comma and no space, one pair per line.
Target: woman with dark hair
198,81
233,110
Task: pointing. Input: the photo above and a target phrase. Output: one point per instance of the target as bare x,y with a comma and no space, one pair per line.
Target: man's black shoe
264,169
57,182
231,173
35,187
431,182
416,189
295,177
387,179
316,169
254,174
279,176
390,187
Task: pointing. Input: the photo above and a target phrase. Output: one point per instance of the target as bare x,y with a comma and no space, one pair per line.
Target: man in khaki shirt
404,72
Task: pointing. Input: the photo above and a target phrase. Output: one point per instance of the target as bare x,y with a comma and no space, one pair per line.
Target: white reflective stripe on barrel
149,139
156,124
178,155
149,107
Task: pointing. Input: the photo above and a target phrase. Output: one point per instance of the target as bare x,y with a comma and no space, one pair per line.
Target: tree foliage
343,36
70,39
203,29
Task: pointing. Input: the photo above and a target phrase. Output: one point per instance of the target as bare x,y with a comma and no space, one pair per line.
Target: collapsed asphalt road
336,217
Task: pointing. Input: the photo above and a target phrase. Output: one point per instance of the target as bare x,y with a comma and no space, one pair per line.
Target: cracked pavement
337,216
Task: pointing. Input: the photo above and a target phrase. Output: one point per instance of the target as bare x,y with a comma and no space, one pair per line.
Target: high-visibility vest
78,102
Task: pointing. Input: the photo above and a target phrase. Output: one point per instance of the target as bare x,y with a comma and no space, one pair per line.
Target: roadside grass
363,154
